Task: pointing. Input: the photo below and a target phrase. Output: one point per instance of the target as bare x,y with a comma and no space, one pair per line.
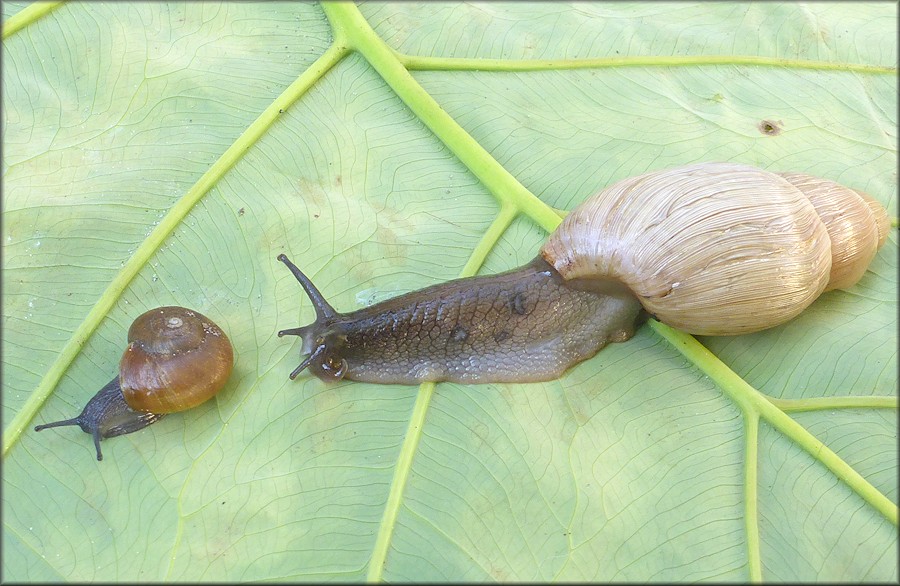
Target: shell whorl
855,226
716,248
176,359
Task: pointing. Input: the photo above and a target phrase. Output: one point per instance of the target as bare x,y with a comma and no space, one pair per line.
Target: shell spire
176,358
711,248
856,223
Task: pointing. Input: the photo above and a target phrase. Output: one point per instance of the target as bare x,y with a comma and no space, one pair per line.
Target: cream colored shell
851,223
711,248
853,227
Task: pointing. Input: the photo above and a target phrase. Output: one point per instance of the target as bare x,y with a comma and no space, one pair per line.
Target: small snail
176,359
711,249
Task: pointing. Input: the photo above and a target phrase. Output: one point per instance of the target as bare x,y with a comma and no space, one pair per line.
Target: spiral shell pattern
857,226
716,248
176,358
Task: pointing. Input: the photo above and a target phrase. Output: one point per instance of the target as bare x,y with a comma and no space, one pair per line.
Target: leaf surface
166,154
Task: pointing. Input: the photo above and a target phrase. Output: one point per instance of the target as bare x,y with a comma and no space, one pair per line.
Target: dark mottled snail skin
107,415
711,249
522,325
176,358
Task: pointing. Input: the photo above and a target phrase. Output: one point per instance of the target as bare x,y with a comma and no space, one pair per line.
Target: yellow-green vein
751,493
504,218
751,400
149,246
398,483
820,403
347,21
404,463
392,67
26,16
417,63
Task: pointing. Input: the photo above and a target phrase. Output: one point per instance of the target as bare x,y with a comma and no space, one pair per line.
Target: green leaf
166,154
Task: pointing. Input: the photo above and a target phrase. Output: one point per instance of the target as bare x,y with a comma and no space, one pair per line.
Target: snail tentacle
710,249
176,358
323,308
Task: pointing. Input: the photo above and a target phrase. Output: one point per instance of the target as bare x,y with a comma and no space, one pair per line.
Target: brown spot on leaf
770,127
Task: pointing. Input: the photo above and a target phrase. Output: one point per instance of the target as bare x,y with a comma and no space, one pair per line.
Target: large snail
711,249
176,359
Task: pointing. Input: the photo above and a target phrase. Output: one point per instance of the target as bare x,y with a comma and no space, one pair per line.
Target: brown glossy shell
176,358
711,248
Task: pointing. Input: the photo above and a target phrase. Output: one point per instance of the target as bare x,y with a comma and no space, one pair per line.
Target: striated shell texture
711,248
855,226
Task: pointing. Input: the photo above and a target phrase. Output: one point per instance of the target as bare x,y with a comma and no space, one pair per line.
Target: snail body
711,249
175,359
522,325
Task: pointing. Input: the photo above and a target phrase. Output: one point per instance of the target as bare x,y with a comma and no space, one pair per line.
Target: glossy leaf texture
159,154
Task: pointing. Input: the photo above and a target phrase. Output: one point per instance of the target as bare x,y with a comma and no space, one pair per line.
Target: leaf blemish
770,127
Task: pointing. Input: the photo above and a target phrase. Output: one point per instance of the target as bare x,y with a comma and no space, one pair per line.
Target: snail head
322,339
